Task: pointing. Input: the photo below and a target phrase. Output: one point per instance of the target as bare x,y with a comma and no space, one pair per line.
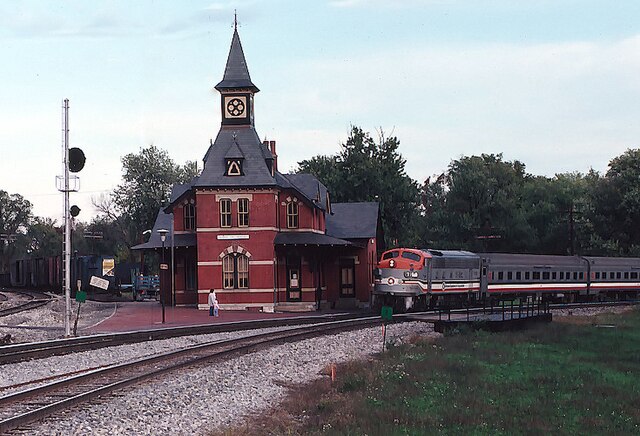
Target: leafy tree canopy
366,169
15,217
147,180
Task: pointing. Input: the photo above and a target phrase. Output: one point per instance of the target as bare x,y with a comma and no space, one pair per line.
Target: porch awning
309,239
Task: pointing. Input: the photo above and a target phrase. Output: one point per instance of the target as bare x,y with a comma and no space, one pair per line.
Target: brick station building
263,240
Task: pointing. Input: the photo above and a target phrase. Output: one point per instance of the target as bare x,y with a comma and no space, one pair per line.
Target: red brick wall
258,247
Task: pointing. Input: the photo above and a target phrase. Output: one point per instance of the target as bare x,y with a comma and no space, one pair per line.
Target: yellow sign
108,265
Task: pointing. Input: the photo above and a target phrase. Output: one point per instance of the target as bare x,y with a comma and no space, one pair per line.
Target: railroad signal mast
73,161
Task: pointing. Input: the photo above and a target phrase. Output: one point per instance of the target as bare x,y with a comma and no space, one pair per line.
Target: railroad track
35,350
21,408
35,300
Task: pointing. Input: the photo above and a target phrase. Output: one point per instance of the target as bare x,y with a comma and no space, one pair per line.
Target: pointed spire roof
236,73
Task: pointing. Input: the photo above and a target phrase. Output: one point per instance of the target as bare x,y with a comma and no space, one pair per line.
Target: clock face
235,106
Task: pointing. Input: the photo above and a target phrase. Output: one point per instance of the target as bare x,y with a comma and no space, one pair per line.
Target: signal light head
76,159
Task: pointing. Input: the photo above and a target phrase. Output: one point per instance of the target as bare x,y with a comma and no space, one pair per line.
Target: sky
554,84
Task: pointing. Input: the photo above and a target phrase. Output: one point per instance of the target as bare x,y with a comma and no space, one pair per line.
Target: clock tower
236,88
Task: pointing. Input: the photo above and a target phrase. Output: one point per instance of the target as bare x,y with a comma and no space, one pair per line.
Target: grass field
575,377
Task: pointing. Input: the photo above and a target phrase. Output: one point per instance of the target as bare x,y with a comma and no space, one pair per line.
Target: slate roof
235,140
163,221
236,73
178,190
353,220
308,238
308,185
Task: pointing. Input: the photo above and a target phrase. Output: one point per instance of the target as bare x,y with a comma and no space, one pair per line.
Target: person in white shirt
213,302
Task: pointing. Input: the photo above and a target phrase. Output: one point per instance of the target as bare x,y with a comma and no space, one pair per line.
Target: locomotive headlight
414,274
392,263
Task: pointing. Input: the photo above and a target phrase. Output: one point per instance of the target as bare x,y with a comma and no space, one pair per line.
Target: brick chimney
272,146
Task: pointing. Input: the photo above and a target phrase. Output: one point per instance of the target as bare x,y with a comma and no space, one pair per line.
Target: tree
369,170
15,216
44,238
474,205
616,205
147,180
483,203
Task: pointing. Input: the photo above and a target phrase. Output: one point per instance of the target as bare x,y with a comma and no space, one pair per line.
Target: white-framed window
242,266
227,272
235,271
243,212
225,212
189,210
292,215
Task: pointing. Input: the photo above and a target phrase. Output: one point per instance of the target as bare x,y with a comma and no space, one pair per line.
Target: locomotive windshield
411,256
390,254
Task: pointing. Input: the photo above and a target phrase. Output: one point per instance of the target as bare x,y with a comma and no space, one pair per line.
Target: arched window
235,271
292,215
189,216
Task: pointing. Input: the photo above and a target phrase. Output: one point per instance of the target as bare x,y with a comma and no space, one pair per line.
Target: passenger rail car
414,279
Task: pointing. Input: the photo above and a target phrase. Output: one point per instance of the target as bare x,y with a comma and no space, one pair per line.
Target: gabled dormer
234,159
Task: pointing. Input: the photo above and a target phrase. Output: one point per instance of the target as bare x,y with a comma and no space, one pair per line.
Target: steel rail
19,352
26,305
30,405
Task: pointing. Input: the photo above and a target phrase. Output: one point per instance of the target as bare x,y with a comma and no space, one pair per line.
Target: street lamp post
163,237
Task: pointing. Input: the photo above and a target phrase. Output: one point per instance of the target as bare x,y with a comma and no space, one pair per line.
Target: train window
484,270
390,254
518,275
561,275
527,274
634,275
536,275
618,275
612,275
575,275
581,275
626,275
597,275
545,275
411,256
554,275
500,275
510,275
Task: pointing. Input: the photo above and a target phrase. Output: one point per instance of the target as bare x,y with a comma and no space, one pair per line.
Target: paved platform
142,315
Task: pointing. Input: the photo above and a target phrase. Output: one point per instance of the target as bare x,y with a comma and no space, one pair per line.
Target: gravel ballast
192,401
195,400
